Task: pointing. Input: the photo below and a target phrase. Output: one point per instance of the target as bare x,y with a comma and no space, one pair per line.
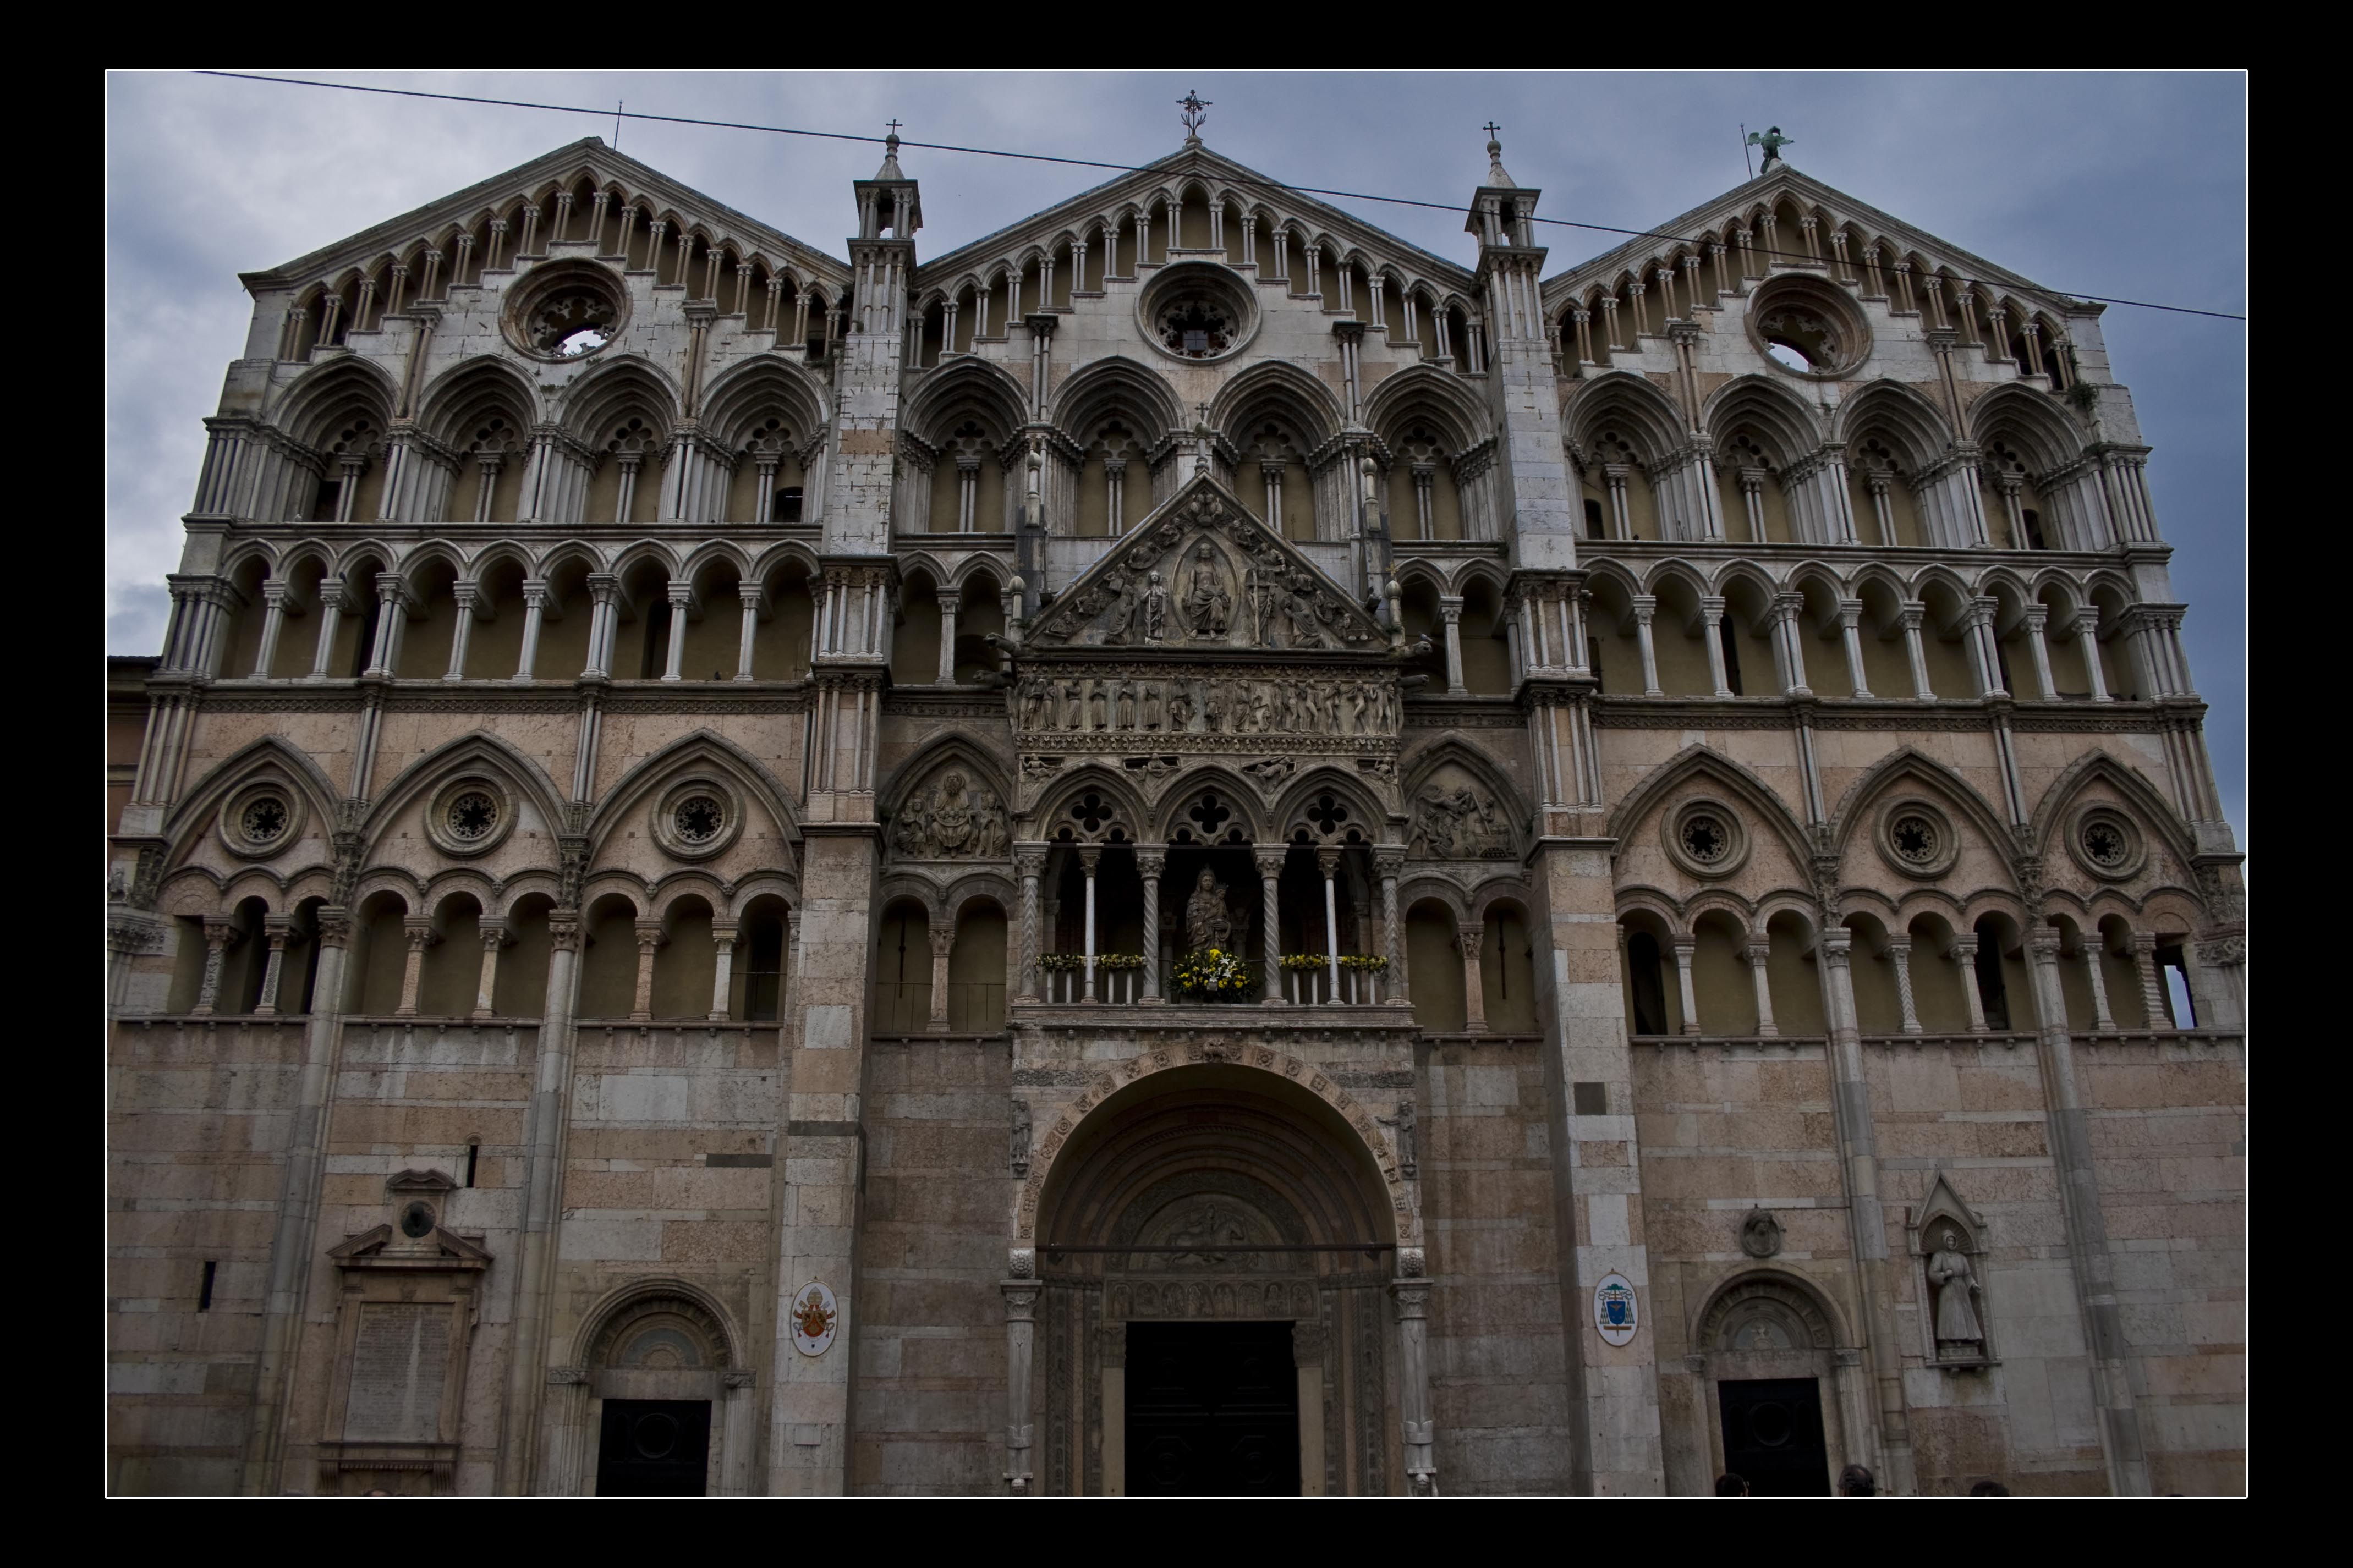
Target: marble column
1759,955
1149,864
1468,935
1270,871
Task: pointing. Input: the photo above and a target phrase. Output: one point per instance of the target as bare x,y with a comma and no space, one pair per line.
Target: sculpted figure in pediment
1207,605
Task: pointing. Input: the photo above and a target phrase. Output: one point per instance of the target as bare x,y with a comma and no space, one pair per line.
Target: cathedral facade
1188,849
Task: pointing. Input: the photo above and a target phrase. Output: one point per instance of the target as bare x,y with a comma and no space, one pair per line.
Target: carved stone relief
1456,819
951,818
1175,702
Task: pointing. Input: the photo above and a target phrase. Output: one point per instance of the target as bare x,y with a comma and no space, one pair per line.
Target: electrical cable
618,114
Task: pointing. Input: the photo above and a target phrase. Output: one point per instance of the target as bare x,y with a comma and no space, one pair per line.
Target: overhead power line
598,112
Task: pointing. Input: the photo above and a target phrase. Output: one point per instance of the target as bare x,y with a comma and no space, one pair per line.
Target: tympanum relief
951,818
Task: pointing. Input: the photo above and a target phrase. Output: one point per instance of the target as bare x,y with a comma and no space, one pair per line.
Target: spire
1497,178
890,169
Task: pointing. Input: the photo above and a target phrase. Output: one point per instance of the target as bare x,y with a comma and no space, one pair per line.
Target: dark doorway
1773,1436
1212,1410
654,1447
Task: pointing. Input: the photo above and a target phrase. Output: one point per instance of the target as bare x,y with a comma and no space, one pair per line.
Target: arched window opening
903,969
1995,946
447,983
760,944
2173,967
686,966
1507,970
520,990
608,958
245,962
976,972
379,956
1648,1006
1434,968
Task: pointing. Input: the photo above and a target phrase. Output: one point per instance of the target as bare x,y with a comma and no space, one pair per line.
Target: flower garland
1071,962
1372,961
1212,971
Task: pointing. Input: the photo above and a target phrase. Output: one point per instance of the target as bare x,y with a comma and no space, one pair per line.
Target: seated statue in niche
1208,921
1960,1334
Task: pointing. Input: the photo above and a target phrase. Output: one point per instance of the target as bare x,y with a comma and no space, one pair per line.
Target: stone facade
757,873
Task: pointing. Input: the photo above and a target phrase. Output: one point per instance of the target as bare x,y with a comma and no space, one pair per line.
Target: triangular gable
1186,163
443,1249
588,153
1225,585
1764,191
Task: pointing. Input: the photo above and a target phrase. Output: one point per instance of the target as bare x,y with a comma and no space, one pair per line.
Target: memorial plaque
398,1368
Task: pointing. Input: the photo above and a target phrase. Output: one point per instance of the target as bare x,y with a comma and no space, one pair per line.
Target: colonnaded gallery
1184,849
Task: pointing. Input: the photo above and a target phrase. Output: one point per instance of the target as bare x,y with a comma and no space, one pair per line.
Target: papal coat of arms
813,1314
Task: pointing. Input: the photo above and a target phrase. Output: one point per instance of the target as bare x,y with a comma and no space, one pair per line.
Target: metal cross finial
1491,128
893,127
1195,112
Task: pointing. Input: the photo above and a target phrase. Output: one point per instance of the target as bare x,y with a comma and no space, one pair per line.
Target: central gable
1202,575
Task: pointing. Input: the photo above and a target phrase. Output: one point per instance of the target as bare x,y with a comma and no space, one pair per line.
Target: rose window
569,324
264,819
699,818
1916,840
472,816
1705,839
2103,844
1196,328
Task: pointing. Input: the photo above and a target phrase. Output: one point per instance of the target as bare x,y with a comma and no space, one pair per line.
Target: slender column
751,595
1899,958
2087,640
1270,869
1468,935
421,935
1760,954
1711,611
486,986
1912,615
278,930
1031,863
681,597
1849,615
1965,954
1449,609
1088,855
604,591
2094,944
650,938
467,594
535,596
1020,1343
1149,864
273,621
949,605
722,978
1411,1296
2152,984
1645,607
1328,861
331,616
943,937
1684,947
1388,864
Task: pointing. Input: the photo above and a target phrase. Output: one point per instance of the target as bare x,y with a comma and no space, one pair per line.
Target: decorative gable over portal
1202,577
1202,634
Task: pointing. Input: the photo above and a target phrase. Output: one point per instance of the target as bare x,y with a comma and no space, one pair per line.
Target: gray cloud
2121,185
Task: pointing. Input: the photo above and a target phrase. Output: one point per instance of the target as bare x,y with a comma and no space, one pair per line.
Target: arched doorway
1785,1395
1224,1286
658,1402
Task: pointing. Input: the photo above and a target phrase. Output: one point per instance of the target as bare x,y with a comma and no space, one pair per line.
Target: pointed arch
2044,826
701,746
1426,395
632,384
478,748
1417,768
330,394
1629,402
196,806
1119,386
950,748
1852,810
1703,761
2030,421
1915,427
1790,429
739,398
967,387
1280,388
458,400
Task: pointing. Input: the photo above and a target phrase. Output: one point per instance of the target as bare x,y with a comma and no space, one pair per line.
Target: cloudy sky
2125,186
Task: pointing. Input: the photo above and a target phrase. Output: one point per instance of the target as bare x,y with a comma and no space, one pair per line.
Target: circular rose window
1198,311
699,818
2106,843
1915,839
473,816
261,819
1705,840
1807,326
264,818
565,310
